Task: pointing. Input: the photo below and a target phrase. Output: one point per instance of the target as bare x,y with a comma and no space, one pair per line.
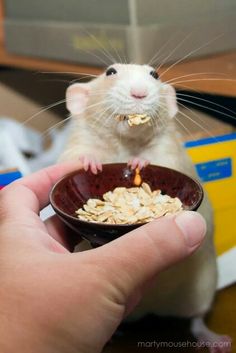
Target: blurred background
44,45
82,37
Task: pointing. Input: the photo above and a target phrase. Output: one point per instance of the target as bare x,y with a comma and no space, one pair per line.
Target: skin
53,300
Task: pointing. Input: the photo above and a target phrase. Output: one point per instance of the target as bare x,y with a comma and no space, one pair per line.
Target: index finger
32,191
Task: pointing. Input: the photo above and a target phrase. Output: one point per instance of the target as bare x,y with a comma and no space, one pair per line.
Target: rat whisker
197,124
125,59
98,117
198,91
91,106
160,118
96,56
88,107
97,93
195,74
180,123
53,80
206,79
120,137
42,111
190,53
179,96
156,55
102,48
62,122
114,111
164,121
45,109
106,121
206,106
173,51
205,100
79,79
67,73
115,51
196,115
193,138
154,122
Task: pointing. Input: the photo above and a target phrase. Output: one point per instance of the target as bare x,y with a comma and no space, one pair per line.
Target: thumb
135,258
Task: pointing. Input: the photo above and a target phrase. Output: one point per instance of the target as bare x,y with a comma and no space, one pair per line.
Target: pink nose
139,93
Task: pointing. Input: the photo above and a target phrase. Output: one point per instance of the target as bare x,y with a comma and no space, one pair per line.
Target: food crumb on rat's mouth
134,119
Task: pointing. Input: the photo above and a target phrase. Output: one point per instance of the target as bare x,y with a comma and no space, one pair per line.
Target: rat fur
188,288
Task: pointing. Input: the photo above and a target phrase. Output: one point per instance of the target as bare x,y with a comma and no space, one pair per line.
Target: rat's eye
111,71
154,74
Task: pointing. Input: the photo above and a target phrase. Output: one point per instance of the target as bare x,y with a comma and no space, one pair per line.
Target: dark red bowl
74,189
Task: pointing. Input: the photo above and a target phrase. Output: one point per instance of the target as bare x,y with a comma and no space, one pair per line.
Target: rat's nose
139,93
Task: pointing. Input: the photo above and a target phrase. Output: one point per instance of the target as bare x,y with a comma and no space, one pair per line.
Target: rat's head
124,89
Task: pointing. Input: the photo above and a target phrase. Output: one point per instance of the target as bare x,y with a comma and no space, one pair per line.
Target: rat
97,137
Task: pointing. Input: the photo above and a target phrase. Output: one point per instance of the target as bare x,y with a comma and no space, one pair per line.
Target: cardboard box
23,95
134,30
215,161
8,176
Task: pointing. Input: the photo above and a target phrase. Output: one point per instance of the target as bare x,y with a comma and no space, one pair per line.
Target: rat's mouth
134,119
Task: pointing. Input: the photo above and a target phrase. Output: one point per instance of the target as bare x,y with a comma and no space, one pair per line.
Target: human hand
53,300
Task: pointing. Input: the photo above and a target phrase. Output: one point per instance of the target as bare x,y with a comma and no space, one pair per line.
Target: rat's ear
171,101
77,97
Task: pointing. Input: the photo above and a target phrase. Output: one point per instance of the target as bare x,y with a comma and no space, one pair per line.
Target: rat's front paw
91,163
138,162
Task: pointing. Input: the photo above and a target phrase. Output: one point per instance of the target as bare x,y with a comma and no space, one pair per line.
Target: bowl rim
109,225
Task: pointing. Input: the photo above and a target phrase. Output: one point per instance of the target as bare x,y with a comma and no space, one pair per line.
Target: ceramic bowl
74,189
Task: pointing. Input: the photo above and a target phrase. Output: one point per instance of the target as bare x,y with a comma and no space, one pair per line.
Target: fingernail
193,227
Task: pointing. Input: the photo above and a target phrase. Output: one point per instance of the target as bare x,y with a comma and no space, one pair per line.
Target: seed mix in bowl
129,206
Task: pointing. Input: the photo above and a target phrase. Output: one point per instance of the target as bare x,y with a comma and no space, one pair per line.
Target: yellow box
215,162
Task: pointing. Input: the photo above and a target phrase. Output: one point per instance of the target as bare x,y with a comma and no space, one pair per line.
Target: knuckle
6,201
4,207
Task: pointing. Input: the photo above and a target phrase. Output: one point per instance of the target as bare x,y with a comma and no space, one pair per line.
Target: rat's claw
90,163
138,162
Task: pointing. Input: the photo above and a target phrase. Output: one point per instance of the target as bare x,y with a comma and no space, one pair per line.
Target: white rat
97,137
